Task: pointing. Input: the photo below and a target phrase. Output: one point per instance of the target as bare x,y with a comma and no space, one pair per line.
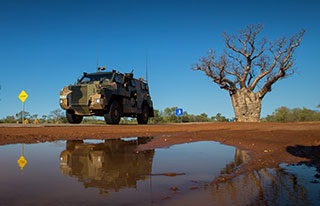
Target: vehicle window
105,80
106,76
85,80
133,83
119,78
143,86
91,78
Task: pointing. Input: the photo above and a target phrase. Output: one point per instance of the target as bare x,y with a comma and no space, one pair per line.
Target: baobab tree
248,68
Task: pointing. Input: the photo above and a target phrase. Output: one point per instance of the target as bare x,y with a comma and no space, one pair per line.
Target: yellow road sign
23,96
22,162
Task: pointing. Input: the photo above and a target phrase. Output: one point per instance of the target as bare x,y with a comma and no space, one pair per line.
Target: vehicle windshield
94,77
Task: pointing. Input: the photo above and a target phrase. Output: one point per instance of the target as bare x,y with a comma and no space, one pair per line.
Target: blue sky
45,45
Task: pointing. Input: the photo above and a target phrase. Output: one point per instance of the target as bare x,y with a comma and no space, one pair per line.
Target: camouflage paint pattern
93,98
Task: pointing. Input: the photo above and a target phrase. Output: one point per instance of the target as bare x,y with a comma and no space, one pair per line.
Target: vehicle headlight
98,101
63,101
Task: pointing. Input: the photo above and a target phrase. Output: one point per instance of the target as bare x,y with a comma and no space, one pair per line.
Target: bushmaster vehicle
109,94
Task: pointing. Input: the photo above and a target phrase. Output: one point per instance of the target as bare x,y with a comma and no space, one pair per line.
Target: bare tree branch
231,46
249,62
247,39
249,67
237,60
216,70
284,59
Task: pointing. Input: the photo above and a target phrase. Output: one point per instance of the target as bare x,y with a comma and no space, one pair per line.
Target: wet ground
262,180
123,172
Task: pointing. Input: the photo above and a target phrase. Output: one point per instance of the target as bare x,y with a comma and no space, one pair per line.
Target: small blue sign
179,112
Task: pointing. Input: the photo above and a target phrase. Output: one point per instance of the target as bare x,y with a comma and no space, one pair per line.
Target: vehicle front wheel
144,116
73,118
113,116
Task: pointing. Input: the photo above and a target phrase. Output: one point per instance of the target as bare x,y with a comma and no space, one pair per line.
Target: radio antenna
97,53
147,65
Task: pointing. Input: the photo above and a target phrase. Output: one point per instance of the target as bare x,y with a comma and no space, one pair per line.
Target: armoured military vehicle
109,94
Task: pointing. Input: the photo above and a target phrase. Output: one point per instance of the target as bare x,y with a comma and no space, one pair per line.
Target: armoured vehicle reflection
112,165
109,94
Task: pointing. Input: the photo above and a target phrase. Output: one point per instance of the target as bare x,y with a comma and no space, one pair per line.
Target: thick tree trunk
246,105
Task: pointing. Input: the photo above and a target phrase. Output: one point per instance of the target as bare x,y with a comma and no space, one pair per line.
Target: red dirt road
268,143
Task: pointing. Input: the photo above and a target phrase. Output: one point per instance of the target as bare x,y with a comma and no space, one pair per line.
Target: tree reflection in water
111,165
263,187
240,157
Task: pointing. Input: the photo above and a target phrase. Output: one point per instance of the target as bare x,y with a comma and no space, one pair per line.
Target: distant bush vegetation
55,116
284,114
168,115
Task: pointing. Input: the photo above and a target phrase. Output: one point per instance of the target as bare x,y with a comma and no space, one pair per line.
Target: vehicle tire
114,114
144,116
73,118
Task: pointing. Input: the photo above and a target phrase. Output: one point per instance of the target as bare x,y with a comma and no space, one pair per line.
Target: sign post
22,113
179,113
22,161
23,96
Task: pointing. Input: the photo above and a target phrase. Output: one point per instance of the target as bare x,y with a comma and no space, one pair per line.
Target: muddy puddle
113,172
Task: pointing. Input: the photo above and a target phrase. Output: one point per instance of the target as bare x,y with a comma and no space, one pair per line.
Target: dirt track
269,143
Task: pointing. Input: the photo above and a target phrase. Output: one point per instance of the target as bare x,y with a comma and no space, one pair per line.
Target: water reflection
22,161
264,187
116,170
111,165
284,185
267,186
240,157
